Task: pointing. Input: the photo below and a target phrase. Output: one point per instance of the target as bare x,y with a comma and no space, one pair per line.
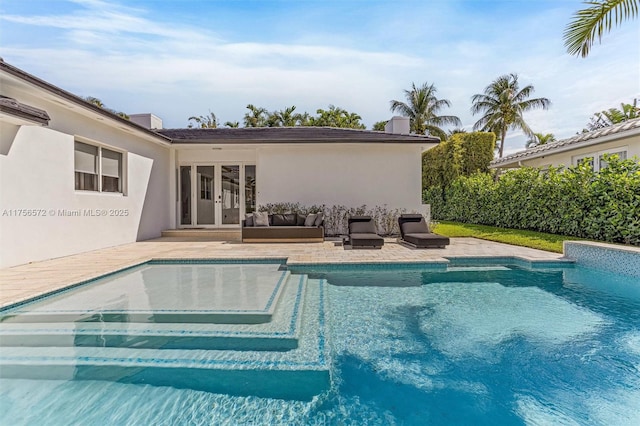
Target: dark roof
22,75
620,130
299,134
12,107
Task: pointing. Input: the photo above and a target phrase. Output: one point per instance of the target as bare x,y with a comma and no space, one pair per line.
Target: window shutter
86,158
111,163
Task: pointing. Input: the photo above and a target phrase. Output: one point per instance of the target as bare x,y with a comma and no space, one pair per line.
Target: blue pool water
495,343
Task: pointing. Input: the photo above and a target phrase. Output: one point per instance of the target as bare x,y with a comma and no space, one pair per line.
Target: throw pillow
260,219
310,220
300,218
415,227
290,219
278,220
362,227
248,219
319,219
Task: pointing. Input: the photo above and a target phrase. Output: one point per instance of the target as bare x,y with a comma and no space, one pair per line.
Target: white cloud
136,63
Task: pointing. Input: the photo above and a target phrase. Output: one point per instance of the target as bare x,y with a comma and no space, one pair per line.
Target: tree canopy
209,121
287,117
99,103
613,116
379,125
540,139
503,104
422,108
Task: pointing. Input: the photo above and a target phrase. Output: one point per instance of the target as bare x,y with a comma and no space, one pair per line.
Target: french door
216,195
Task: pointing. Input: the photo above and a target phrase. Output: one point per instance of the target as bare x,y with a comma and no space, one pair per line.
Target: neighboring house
622,139
75,177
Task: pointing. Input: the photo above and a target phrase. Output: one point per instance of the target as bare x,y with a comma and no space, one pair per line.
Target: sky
185,58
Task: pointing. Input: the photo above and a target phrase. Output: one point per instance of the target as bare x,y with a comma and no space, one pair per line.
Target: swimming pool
473,342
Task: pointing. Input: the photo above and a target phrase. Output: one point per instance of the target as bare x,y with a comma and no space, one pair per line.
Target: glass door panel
249,189
185,195
204,194
230,195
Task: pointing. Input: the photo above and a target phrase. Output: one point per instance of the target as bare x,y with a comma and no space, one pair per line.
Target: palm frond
592,22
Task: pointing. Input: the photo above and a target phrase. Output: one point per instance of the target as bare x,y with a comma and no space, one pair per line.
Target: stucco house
75,177
622,139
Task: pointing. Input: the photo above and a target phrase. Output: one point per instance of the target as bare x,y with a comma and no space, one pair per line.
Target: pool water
475,344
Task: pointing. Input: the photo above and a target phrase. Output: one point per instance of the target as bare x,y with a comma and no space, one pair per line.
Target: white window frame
597,156
123,168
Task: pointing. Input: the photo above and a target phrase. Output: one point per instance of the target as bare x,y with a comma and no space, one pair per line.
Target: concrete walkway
31,280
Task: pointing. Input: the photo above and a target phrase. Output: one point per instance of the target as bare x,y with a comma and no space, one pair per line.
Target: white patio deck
24,282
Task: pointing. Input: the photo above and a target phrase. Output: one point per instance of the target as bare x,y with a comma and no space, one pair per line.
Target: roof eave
176,142
35,81
23,118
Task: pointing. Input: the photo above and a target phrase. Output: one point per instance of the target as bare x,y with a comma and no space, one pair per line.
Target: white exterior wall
351,175
630,144
37,174
215,155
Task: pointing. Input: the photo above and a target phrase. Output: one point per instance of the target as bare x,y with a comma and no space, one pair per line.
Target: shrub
576,201
462,154
336,217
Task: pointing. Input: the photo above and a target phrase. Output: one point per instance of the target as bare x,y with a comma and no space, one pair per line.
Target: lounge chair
415,232
362,233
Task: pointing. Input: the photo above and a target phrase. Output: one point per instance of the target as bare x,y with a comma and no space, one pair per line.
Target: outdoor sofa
415,232
362,233
260,227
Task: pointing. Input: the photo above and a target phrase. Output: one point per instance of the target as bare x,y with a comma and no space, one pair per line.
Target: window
97,169
86,167
585,160
111,171
590,158
622,155
205,187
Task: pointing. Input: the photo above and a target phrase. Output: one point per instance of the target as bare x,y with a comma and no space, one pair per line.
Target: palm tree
336,117
95,101
205,121
614,116
455,131
422,107
593,21
538,139
284,117
256,117
379,125
305,119
351,120
503,103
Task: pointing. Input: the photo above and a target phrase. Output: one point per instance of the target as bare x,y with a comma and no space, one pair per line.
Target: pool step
298,373
224,296
281,333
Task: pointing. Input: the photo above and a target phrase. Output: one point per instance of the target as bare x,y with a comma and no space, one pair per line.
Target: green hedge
574,201
461,155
